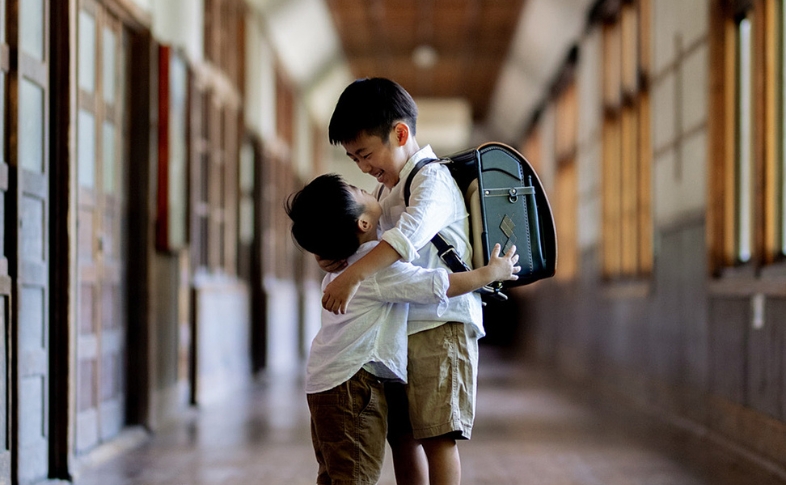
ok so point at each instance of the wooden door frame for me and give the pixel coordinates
(63, 98)
(142, 113)
(259, 321)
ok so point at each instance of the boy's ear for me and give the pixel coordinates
(364, 223)
(401, 132)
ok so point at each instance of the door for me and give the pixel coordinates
(101, 226)
(28, 95)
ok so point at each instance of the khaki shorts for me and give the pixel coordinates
(442, 375)
(348, 428)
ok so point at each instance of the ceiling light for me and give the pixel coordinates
(424, 56)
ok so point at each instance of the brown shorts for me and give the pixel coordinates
(348, 428)
(442, 377)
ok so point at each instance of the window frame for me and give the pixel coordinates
(626, 221)
(768, 185)
(566, 181)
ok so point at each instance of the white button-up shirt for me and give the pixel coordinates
(435, 205)
(372, 334)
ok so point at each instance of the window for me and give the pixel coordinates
(626, 219)
(779, 168)
(747, 216)
(199, 180)
(566, 190)
(224, 37)
(214, 147)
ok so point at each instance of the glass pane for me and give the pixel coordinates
(87, 52)
(177, 154)
(246, 220)
(744, 140)
(204, 177)
(2, 21)
(120, 113)
(86, 149)
(178, 113)
(2, 118)
(108, 60)
(31, 26)
(31, 126)
(247, 169)
(108, 135)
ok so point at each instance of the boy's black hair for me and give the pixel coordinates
(371, 106)
(324, 217)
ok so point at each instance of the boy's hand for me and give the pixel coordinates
(503, 267)
(331, 265)
(338, 293)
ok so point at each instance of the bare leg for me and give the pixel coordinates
(444, 464)
(409, 460)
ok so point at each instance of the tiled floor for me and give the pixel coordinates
(530, 430)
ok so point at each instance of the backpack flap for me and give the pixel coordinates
(515, 210)
(507, 205)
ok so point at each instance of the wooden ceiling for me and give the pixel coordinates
(471, 39)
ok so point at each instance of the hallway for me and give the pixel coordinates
(530, 429)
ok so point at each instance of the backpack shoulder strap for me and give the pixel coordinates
(411, 177)
(447, 253)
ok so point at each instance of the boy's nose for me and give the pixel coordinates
(364, 166)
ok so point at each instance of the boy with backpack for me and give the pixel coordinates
(355, 352)
(374, 120)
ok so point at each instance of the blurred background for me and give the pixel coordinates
(148, 146)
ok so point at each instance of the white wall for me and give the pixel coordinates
(679, 109)
(180, 23)
(260, 95)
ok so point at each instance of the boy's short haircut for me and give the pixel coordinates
(371, 106)
(324, 218)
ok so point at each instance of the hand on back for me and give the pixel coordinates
(338, 293)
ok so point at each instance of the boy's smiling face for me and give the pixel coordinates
(381, 160)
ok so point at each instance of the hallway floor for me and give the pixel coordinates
(529, 430)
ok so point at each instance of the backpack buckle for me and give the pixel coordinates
(451, 258)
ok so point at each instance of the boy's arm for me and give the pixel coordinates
(426, 215)
(406, 283)
(499, 268)
(338, 293)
